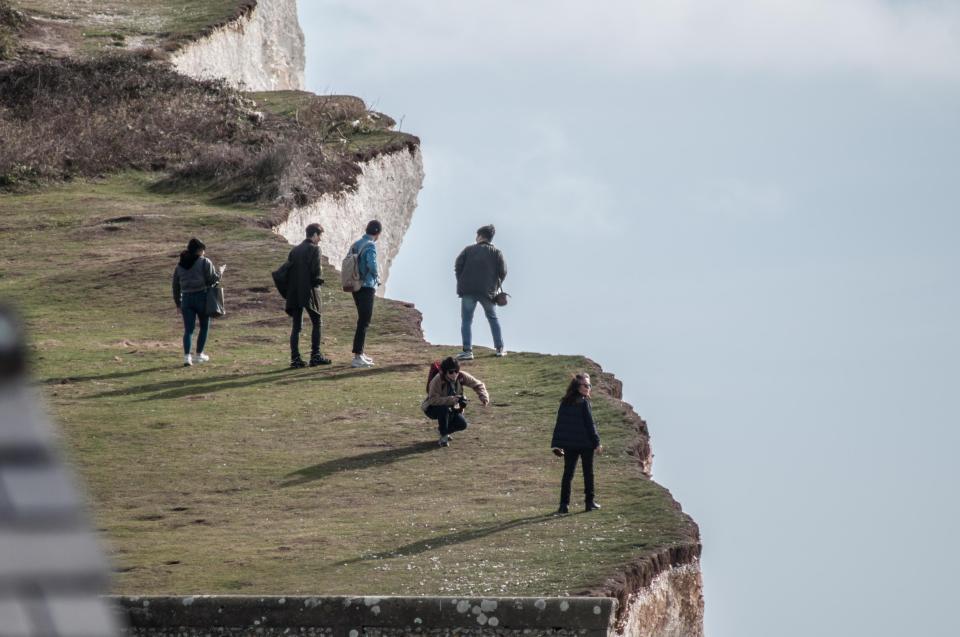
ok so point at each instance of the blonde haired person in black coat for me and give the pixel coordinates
(575, 437)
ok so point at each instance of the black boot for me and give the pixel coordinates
(297, 363)
(563, 509)
(317, 359)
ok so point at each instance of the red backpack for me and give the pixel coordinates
(434, 370)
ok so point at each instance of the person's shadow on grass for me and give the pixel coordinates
(66, 380)
(459, 537)
(354, 463)
(185, 387)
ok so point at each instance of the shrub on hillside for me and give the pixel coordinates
(10, 21)
(61, 119)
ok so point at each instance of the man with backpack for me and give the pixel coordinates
(480, 271)
(445, 401)
(361, 277)
(303, 293)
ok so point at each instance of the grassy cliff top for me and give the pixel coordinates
(243, 476)
(74, 26)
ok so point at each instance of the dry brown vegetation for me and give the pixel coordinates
(10, 22)
(61, 119)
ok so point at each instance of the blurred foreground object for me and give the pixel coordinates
(52, 571)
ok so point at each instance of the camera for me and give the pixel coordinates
(462, 402)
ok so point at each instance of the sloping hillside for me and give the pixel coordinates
(241, 475)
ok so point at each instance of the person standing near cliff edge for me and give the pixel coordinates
(303, 293)
(575, 437)
(480, 271)
(366, 249)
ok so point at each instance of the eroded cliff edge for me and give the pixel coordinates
(261, 50)
(386, 189)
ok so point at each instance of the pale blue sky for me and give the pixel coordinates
(747, 210)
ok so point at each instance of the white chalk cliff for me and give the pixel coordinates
(264, 51)
(386, 190)
(260, 51)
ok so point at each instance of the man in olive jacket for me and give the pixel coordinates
(303, 293)
(480, 270)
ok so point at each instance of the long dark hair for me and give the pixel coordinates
(573, 389)
(189, 256)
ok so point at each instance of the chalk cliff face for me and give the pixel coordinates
(261, 51)
(670, 606)
(386, 190)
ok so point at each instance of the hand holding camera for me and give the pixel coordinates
(461, 403)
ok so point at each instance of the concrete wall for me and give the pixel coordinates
(237, 616)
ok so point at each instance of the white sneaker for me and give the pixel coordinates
(359, 362)
(501, 353)
(444, 441)
(465, 355)
(366, 358)
(202, 358)
(187, 360)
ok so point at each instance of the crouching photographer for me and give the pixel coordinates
(445, 401)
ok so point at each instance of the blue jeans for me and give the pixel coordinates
(467, 306)
(194, 306)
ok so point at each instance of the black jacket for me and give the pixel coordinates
(575, 428)
(480, 269)
(303, 278)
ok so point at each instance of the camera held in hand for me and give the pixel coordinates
(461, 402)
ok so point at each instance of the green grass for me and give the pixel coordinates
(361, 144)
(286, 103)
(94, 25)
(241, 476)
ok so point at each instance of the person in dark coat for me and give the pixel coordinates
(575, 437)
(303, 293)
(191, 278)
(480, 270)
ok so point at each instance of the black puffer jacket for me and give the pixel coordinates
(480, 269)
(575, 428)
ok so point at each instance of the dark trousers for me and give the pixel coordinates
(193, 306)
(448, 420)
(298, 327)
(363, 299)
(570, 457)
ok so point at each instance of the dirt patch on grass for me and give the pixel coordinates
(145, 345)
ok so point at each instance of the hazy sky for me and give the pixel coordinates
(747, 210)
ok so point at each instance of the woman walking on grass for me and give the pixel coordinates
(191, 278)
(575, 437)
